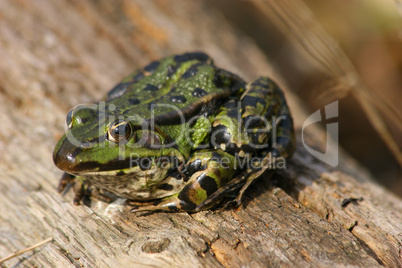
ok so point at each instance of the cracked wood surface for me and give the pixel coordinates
(57, 54)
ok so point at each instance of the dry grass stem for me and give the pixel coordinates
(17, 253)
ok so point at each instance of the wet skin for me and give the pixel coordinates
(180, 133)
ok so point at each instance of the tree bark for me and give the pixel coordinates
(57, 54)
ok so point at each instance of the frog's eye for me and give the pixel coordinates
(69, 118)
(120, 131)
(80, 114)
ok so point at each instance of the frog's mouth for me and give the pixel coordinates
(75, 160)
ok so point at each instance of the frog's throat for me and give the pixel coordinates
(134, 183)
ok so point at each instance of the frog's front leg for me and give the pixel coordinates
(206, 171)
(81, 188)
(258, 129)
(67, 181)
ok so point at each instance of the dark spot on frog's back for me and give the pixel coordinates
(252, 101)
(218, 80)
(193, 70)
(199, 92)
(171, 70)
(150, 87)
(152, 66)
(117, 91)
(192, 56)
(178, 99)
(134, 101)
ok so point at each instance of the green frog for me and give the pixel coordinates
(177, 135)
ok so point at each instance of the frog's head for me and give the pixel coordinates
(96, 143)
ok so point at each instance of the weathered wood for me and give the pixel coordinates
(56, 54)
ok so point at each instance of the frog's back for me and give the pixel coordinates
(189, 83)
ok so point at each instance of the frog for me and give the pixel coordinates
(179, 134)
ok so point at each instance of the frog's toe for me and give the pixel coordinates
(99, 195)
(66, 181)
(239, 197)
(168, 206)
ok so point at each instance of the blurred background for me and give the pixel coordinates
(356, 57)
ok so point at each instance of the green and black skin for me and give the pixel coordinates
(179, 134)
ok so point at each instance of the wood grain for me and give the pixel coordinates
(57, 54)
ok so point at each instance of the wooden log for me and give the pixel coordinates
(57, 54)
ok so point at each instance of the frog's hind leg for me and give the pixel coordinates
(281, 141)
(266, 118)
(207, 171)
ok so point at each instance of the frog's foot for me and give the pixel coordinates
(66, 181)
(242, 181)
(249, 181)
(81, 189)
(266, 163)
(228, 189)
(99, 195)
(137, 203)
